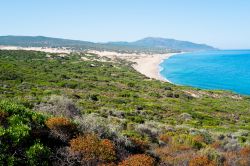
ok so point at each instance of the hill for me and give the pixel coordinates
(41, 41)
(77, 110)
(168, 44)
(147, 44)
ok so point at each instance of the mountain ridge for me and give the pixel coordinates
(148, 44)
(159, 42)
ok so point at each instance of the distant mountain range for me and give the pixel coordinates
(146, 44)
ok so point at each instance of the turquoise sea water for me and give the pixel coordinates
(224, 70)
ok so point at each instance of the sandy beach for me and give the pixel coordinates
(146, 64)
(150, 65)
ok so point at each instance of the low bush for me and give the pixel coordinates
(213, 155)
(140, 145)
(138, 160)
(38, 154)
(188, 140)
(91, 148)
(3, 116)
(58, 106)
(16, 135)
(148, 130)
(15, 120)
(93, 123)
(11, 107)
(201, 161)
(245, 151)
(170, 155)
(61, 128)
(165, 138)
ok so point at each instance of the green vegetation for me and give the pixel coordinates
(52, 108)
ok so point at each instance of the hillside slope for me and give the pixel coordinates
(65, 111)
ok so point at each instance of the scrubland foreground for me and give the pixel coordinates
(81, 109)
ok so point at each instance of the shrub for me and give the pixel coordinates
(3, 116)
(244, 162)
(93, 97)
(201, 161)
(11, 107)
(61, 128)
(38, 155)
(198, 141)
(188, 140)
(165, 138)
(7, 160)
(108, 164)
(63, 157)
(56, 122)
(18, 133)
(213, 155)
(107, 150)
(245, 151)
(216, 145)
(182, 139)
(136, 119)
(139, 144)
(91, 148)
(131, 134)
(2, 131)
(131, 84)
(16, 120)
(148, 130)
(93, 123)
(231, 158)
(138, 160)
(154, 94)
(38, 120)
(59, 106)
(170, 155)
(244, 156)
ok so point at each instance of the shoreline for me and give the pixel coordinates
(150, 66)
(146, 64)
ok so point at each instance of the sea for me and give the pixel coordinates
(214, 70)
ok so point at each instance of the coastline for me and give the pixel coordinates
(150, 66)
(146, 64)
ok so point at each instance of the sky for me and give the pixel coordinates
(223, 24)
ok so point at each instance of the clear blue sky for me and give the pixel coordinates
(221, 23)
